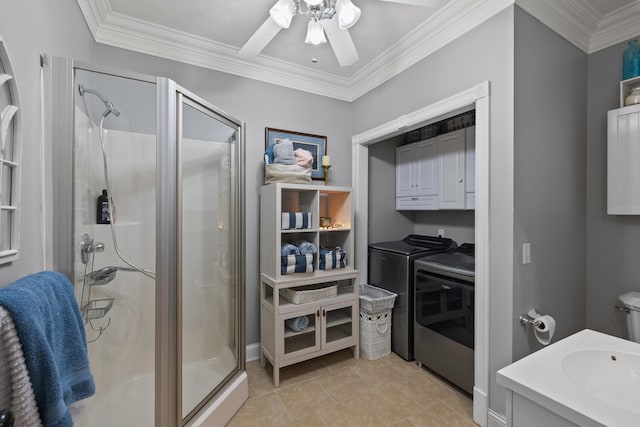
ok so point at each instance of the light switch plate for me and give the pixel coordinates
(526, 253)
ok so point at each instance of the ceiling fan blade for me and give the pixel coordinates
(424, 3)
(260, 39)
(341, 42)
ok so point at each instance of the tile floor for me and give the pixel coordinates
(336, 390)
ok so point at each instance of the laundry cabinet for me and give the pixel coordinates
(307, 308)
(417, 176)
(437, 173)
(623, 154)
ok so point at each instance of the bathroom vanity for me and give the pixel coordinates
(587, 379)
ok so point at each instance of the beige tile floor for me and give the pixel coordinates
(336, 390)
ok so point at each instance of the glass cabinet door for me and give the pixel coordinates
(338, 323)
(301, 333)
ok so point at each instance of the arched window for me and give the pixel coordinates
(10, 150)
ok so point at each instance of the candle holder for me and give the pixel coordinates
(326, 174)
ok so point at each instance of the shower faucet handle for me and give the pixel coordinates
(88, 246)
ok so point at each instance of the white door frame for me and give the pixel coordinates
(478, 97)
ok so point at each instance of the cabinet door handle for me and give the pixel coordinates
(318, 313)
(459, 179)
(324, 313)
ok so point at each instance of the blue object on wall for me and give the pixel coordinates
(631, 61)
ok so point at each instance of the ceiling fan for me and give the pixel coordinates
(330, 17)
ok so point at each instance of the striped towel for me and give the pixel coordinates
(332, 259)
(297, 264)
(296, 220)
(16, 392)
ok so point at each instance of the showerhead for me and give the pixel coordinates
(110, 108)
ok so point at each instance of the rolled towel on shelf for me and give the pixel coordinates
(303, 157)
(289, 249)
(306, 248)
(297, 324)
(283, 152)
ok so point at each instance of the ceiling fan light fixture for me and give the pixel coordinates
(315, 33)
(282, 12)
(348, 14)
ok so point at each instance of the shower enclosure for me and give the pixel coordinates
(158, 267)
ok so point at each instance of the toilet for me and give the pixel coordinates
(631, 302)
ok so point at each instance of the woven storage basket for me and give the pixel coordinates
(375, 300)
(375, 335)
(310, 293)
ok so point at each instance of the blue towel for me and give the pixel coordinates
(297, 324)
(289, 249)
(51, 330)
(306, 248)
(269, 152)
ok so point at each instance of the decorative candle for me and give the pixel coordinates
(326, 161)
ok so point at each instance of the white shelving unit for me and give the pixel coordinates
(333, 322)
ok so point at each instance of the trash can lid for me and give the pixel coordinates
(631, 299)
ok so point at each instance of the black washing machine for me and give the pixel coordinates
(390, 267)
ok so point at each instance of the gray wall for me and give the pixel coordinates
(29, 29)
(550, 181)
(260, 105)
(484, 53)
(385, 222)
(612, 240)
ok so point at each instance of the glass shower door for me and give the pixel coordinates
(208, 217)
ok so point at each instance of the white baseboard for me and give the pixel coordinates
(496, 419)
(253, 352)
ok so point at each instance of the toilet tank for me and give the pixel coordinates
(631, 301)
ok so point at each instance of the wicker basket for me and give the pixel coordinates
(310, 293)
(375, 335)
(375, 300)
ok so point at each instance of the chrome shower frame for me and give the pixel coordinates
(59, 89)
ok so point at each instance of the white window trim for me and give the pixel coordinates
(11, 117)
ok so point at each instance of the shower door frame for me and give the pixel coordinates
(168, 229)
(59, 253)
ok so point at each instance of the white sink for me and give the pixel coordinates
(588, 379)
(610, 376)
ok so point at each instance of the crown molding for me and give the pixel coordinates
(450, 22)
(617, 27)
(572, 19)
(582, 25)
(95, 12)
(575, 20)
(125, 32)
(446, 25)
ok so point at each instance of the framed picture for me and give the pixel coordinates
(315, 144)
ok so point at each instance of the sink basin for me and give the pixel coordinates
(610, 376)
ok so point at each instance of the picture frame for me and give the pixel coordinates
(315, 144)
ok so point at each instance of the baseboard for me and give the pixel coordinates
(253, 352)
(496, 419)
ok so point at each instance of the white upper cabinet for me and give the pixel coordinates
(417, 175)
(451, 154)
(437, 173)
(623, 165)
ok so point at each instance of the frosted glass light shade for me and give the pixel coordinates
(313, 2)
(282, 12)
(348, 14)
(315, 33)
